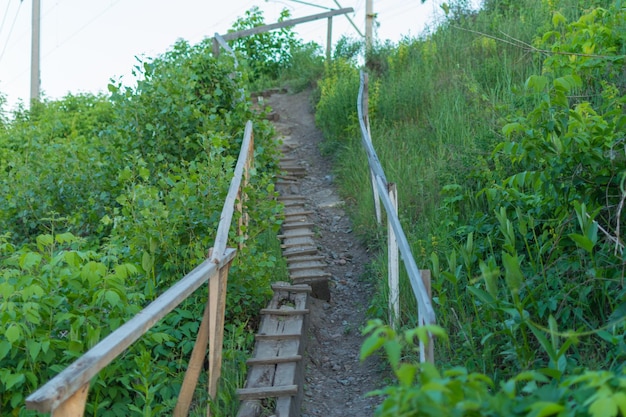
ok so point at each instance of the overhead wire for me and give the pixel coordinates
(80, 29)
(11, 30)
(6, 13)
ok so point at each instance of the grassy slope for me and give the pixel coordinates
(438, 106)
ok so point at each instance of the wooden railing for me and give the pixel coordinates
(386, 192)
(66, 393)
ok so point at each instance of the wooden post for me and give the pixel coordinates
(216, 48)
(393, 263)
(329, 39)
(217, 306)
(429, 351)
(196, 363)
(74, 406)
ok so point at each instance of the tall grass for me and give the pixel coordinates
(437, 107)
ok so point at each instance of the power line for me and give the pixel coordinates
(83, 27)
(6, 13)
(11, 31)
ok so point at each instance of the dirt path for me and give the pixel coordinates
(335, 380)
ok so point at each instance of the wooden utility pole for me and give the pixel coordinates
(35, 81)
(369, 24)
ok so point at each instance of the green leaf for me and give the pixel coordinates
(543, 340)
(545, 409)
(513, 272)
(393, 351)
(406, 374)
(13, 333)
(558, 19)
(44, 241)
(603, 407)
(371, 345)
(537, 83)
(483, 296)
(13, 379)
(112, 298)
(510, 128)
(34, 348)
(6, 290)
(29, 260)
(582, 242)
(5, 348)
(619, 398)
(147, 262)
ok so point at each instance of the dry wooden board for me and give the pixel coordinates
(300, 251)
(292, 213)
(294, 233)
(290, 197)
(300, 266)
(297, 225)
(308, 258)
(285, 286)
(306, 274)
(297, 241)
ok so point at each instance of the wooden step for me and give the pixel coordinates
(299, 251)
(275, 360)
(284, 312)
(305, 266)
(283, 286)
(294, 235)
(298, 225)
(267, 392)
(298, 213)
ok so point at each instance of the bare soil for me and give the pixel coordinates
(336, 381)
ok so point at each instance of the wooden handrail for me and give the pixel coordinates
(287, 23)
(229, 203)
(381, 187)
(66, 393)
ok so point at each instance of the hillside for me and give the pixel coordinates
(503, 129)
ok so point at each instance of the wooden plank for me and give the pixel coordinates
(303, 266)
(307, 258)
(283, 336)
(221, 237)
(274, 360)
(287, 178)
(299, 275)
(301, 251)
(298, 242)
(266, 392)
(196, 364)
(286, 23)
(297, 225)
(300, 234)
(291, 288)
(217, 308)
(281, 312)
(79, 373)
(393, 264)
(298, 213)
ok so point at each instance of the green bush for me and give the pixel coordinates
(140, 177)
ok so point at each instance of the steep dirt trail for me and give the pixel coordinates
(336, 382)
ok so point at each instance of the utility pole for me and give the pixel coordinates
(35, 81)
(369, 24)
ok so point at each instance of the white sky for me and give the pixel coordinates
(84, 43)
